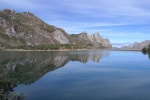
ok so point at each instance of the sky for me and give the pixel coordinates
(122, 21)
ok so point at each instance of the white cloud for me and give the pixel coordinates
(22, 4)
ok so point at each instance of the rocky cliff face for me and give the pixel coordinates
(25, 28)
(137, 45)
(94, 39)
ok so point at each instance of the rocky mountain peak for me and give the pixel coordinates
(107, 39)
(136, 42)
(96, 34)
(7, 11)
(84, 33)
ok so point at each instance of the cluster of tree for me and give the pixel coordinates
(146, 49)
(55, 47)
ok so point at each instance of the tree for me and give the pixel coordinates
(144, 50)
(148, 49)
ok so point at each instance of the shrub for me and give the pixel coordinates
(144, 49)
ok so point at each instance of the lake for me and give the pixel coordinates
(79, 75)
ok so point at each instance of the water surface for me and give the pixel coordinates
(80, 75)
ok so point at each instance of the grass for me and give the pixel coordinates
(4, 36)
(22, 40)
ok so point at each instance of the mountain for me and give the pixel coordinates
(137, 45)
(94, 39)
(27, 29)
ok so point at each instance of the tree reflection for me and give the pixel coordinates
(145, 53)
(149, 55)
(7, 86)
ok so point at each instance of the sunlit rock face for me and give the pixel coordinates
(94, 39)
(26, 28)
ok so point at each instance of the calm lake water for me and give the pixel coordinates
(80, 75)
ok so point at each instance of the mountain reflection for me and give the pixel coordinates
(27, 67)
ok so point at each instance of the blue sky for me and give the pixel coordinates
(122, 21)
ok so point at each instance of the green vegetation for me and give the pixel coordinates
(5, 16)
(47, 28)
(146, 49)
(4, 36)
(12, 39)
(22, 40)
(56, 47)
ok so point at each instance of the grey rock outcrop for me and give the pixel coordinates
(61, 37)
(94, 39)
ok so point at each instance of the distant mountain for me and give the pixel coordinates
(94, 39)
(136, 45)
(27, 29)
(121, 44)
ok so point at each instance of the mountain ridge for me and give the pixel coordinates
(27, 29)
(137, 45)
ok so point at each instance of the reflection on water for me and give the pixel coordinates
(7, 86)
(149, 55)
(145, 53)
(82, 75)
(27, 67)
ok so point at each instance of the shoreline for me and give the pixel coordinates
(125, 50)
(65, 50)
(51, 50)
